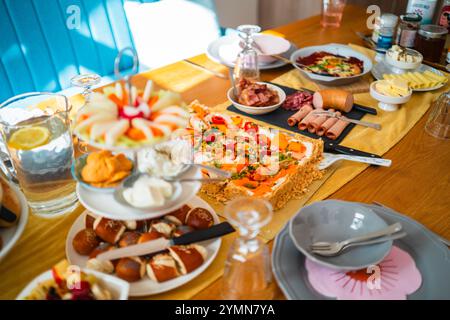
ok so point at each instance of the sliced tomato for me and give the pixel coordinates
(251, 126)
(217, 119)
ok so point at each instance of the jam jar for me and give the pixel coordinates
(407, 29)
(430, 42)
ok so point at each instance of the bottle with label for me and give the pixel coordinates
(425, 8)
(444, 17)
(388, 22)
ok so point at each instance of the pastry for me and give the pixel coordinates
(129, 238)
(85, 241)
(199, 218)
(130, 269)
(149, 236)
(188, 258)
(108, 230)
(162, 267)
(89, 221)
(166, 228)
(178, 216)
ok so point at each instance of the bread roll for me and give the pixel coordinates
(108, 230)
(188, 258)
(130, 269)
(162, 267)
(199, 218)
(85, 241)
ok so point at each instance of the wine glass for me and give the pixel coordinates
(247, 272)
(246, 66)
(87, 82)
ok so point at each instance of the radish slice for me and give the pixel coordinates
(148, 90)
(145, 109)
(119, 91)
(100, 128)
(167, 130)
(144, 126)
(116, 131)
(180, 122)
(176, 110)
(96, 118)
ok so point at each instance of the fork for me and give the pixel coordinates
(335, 115)
(396, 227)
(330, 158)
(330, 252)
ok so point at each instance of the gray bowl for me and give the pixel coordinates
(337, 221)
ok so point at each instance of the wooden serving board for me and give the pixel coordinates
(279, 118)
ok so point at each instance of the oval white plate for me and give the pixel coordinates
(11, 235)
(146, 286)
(118, 287)
(212, 53)
(383, 68)
(105, 205)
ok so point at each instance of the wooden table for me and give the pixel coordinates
(420, 184)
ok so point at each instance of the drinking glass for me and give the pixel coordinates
(35, 129)
(247, 61)
(332, 11)
(438, 124)
(87, 82)
(247, 272)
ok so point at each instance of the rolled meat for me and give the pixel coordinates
(303, 125)
(335, 131)
(324, 127)
(299, 115)
(314, 125)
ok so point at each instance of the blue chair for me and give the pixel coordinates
(44, 43)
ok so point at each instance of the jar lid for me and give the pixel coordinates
(389, 20)
(411, 17)
(432, 31)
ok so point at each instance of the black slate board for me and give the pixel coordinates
(279, 118)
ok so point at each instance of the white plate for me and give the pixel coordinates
(11, 235)
(383, 68)
(146, 286)
(105, 205)
(334, 48)
(118, 287)
(213, 53)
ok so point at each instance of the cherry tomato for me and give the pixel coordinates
(250, 126)
(217, 120)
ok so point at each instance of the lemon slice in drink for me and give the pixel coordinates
(29, 138)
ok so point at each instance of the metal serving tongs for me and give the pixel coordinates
(127, 77)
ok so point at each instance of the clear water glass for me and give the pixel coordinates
(246, 66)
(35, 129)
(438, 124)
(247, 272)
(332, 11)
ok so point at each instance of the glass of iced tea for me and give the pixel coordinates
(332, 11)
(35, 129)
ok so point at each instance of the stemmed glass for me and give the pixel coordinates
(87, 82)
(246, 66)
(247, 269)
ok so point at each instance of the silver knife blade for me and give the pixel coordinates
(136, 250)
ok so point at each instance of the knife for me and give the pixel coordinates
(160, 244)
(337, 148)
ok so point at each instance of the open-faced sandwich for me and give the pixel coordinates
(264, 163)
